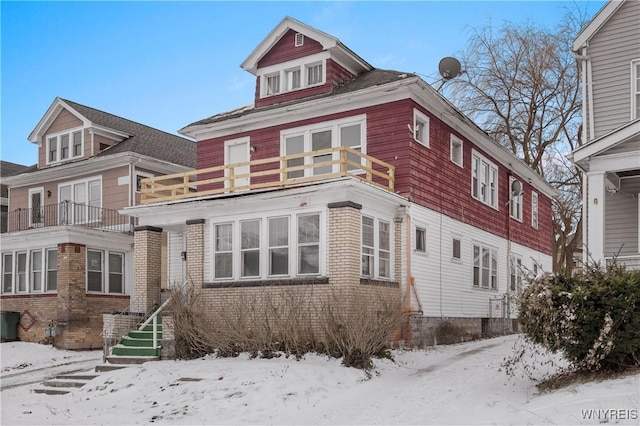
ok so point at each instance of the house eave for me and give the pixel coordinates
(603, 15)
(54, 109)
(583, 154)
(91, 165)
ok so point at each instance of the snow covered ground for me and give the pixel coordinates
(458, 384)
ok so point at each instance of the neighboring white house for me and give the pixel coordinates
(609, 53)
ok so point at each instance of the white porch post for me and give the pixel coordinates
(595, 219)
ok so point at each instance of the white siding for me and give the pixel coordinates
(445, 286)
(612, 49)
(621, 219)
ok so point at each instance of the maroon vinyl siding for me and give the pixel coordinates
(335, 76)
(425, 175)
(285, 50)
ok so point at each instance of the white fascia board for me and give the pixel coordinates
(304, 110)
(607, 141)
(51, 236)
(615, 162)
(109, 133)
(90, 165)
(596, 23)
(458, 121)
(178, 212)
(52, 112)
(251, 63)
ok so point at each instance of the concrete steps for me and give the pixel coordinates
(63, 384)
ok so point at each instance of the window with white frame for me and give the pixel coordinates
(420, 128)
(345, 132)
(293, 75)
(485, 267)
(421, 240)
(308, 244)
(299, 40)
(105, 272)
(250, 248)
(223, 251)
(314, 74)
(484, 180)
(635, 89)
(7, 272)
(273, 84)
(515, 273)
(35, 271)
(456, 150)
(286, 245)
(86, 200)
(515, 203)
(64, 146)
(368, 249)
(456, 248)
(534, 210)
(376, 240)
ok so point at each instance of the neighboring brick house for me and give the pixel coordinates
(608, 50)
(7, 169)
(67, 254)
(343, 175)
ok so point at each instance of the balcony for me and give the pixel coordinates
(67, 214)
(271, 172)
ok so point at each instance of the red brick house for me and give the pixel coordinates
(342, 174)
(67, 254)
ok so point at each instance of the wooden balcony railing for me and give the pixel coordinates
(271, 172)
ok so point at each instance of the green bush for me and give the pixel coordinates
(593, 319)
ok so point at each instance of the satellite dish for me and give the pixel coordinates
(516, 188)
(449, 68)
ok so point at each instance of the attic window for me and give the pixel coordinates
(299, 39)
(103, 146)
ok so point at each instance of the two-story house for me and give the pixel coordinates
(608, 50)
(68, 254)
(339, 174)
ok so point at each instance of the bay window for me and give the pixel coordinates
(223, 256)
(7, 272)
(375, 248)
(250, 248)
(309, 244)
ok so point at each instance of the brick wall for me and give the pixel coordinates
(147, 264)
(195, 252)
(343, 243)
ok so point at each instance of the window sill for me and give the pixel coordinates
(379, 283)
(267, 283)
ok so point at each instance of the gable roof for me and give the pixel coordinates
(135, 137)
(596, 23)
(8, 169)
(628, 132)
(338, 50)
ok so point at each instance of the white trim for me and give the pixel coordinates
(419, 116)
(495, 203)
(282, 70)
(105, 271)
(611, 139)
(596, 23)
(519, 201)
(246, 140)
(455, 140)
(635, 88)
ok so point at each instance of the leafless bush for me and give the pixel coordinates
(345, 323)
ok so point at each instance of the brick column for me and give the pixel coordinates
(147, 260)
(195, 252)
(343, 243)
(72, 302)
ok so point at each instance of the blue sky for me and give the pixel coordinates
(168, 64)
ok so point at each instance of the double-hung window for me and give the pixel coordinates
(421, 240)
(515, 273)
(534, 210)
(273, 84)
(314, 74)
(250, 248)
(223, 250)
(279, 245)
(293, 79)
(51, 269)
(64, 146)
(375, 248)
(308, 244)
(105, 272)
(21, 272)
(36, 270)
(484, 180)
(456, 150)
(635, 89)
(7, 272)
(420, 128)
(293, 75)
(485, 267)
(515, 204)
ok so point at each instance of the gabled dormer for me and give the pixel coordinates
(297, 61)
(66, 133)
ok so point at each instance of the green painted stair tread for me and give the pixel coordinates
(149, 327)
(144, 335)
(134, 351)
(134, 342)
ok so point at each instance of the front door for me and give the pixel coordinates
(36, 207)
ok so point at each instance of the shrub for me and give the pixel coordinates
(593, 319)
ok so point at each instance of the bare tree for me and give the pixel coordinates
(521, 85)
